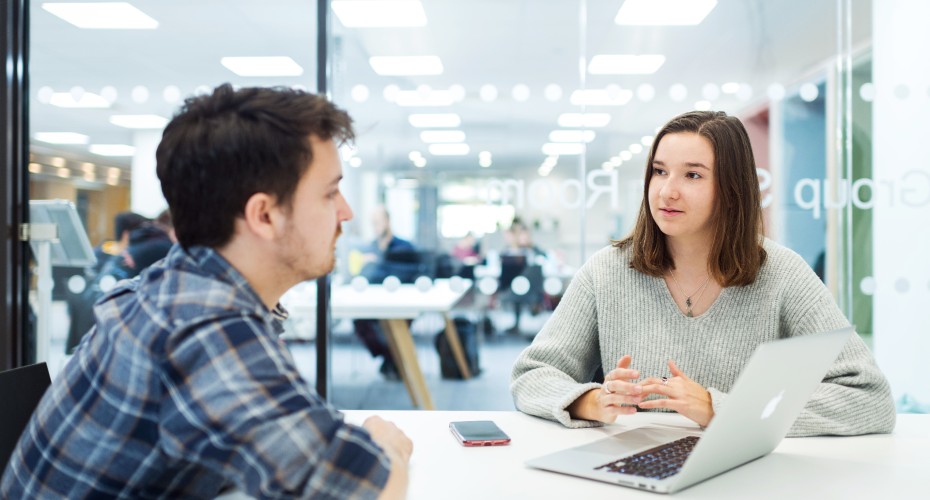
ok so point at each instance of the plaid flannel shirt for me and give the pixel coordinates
(183, 389)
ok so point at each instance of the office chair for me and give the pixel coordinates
(21, 389)
(408, 265)
(511, 267)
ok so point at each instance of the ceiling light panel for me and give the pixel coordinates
(625, 64)
(592, 120)
(664, 12)
(406, 65)
(430, 120)
(459, 149)
(112, 149)
(571, 135)
(61, 137)
(102, 16)
(429, 136)
(379, 13)
(151, 122)
(262, 66)
(601, 97)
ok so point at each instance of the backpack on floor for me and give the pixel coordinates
(468, 337)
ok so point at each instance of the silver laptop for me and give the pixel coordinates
(757, 414)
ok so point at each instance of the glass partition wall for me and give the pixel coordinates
(506, 143)
(104, 80)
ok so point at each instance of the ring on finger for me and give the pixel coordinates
(607, 389)
(664, 380)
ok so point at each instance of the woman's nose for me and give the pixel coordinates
(669, 189)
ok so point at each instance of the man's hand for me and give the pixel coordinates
(606, 403)
(398, 448)
(391, 439)
(682, 394)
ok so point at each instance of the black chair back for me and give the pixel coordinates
(511, 267)
(21, 389)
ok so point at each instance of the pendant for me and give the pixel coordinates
(690, 315)
(688, 302)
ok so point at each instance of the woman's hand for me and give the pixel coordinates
(617, 396)
(682, 394)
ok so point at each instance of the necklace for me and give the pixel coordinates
(688, 301)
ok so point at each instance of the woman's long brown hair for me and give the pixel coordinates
(736, 250)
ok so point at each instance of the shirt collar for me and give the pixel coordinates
(212, 263)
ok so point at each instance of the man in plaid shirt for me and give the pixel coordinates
(182, 389)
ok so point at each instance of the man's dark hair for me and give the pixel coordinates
(221, 149)
(127, 221)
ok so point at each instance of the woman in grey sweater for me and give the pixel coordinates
(673, 312)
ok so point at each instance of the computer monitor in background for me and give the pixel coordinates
(72, 248)
(64, 244)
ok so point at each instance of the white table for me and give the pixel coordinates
(393, 308)
(869, 467)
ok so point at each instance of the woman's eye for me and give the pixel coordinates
(658, 171)
(694, 175)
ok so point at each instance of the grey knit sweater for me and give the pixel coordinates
(610, 310)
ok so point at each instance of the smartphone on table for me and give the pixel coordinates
(478, 433)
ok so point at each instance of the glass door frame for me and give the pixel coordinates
(14, 195)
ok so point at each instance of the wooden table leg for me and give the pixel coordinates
(452, 335)
(399, 361)
(405, 357)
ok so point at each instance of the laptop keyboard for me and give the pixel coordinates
(657, 463)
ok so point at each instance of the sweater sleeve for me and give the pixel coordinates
(557, 367)
(854, 396)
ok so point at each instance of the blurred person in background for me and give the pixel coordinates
(387, 255)
(139, 243)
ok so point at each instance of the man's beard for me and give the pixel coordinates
(315, 268)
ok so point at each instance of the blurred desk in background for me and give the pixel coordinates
(394, 307)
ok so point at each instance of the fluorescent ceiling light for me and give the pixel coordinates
(102, 16)
(417, 98)
(406, 65)
(562, 148)
(442, 136)
(664, 12)
(593, 120)
(262, 66)
(571, 135)
(429, 120)
(448, 149)
(379, 13)
(87, 100)
(112, 149)
(600, 97)
(625, 64)
(139, 121)
(61, 137)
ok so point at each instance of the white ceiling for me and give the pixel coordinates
(498, 42)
